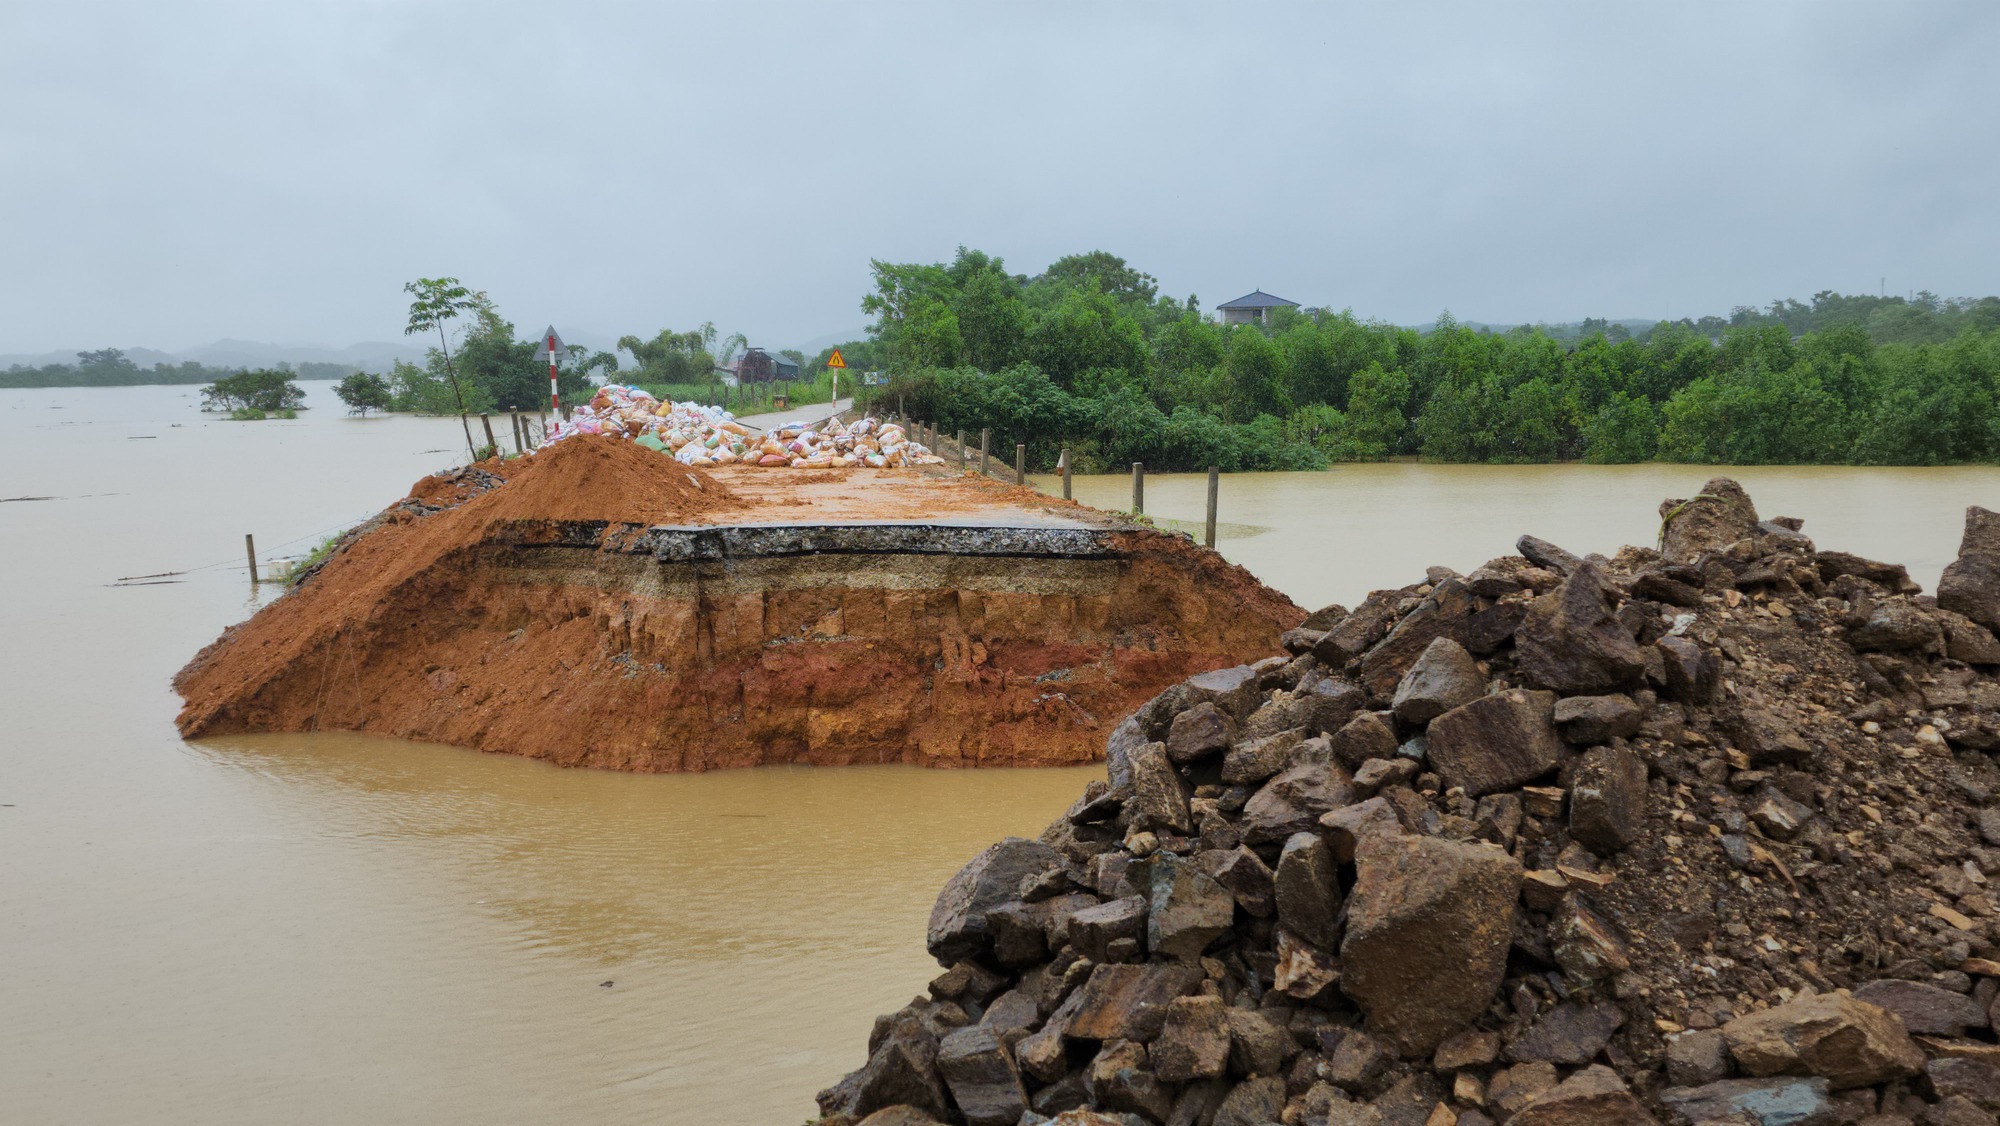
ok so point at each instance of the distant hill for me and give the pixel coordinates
(372, 355)
(818, 344)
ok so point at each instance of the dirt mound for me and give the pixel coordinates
(1701, 835)
(534, 617)
(612, 481)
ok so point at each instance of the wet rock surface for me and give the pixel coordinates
(1704, 835)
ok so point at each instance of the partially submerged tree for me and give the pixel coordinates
(269, 390)
(364, 391)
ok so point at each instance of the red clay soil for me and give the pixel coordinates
(492, 625)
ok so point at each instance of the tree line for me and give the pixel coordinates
(496, 371)
(111, 367)
(1088, 355)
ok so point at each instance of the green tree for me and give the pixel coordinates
(1255, 374)
(424, 389)
(1625, 430)
(438, 301)
(1315, 370)
(267, 389)
(1086, 330)
(365, 391)
(930, 335)
(991, 320)
(1102, 271)
(1756, 416)
(672, 357)
(1375, 399)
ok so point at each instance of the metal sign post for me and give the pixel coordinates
(835, 363)
(554, 351)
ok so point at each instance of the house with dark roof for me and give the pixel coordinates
(759, 366)
(1253, 308)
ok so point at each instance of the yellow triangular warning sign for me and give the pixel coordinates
(836, 360)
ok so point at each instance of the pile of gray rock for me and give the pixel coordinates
(1699, 834)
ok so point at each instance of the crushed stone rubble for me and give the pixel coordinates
(1704, 834)
(694, 434)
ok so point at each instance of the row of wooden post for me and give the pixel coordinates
(930, 431)
(526, 433)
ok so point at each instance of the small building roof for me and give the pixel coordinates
(1256, 299)
(778, 358)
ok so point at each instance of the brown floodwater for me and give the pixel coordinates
(336, 928)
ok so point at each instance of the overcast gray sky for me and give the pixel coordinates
(180, 172)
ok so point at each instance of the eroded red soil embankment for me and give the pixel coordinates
(527, 619)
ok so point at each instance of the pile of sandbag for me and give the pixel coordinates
(694, 434)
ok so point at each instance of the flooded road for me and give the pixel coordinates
(1334, 536)
(336, 928)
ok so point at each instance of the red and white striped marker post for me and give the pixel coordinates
(554, 350)
(555, 399)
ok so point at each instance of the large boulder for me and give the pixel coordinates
(1348, 826)
(1308, 896)
(982, 1077)
(1194, 1041)
(1352, 635)
(1158, 799)
(1925, 1010)
(1971, 583)
(1244, 873)
(901, 1071)
(1093, 929)
(1569, 1035)
(1364, 737)
(1687, 671)
(1294, 801)
(1594, 1096)
(1496, 742)
(1189, 909)
(1117, 999)
(1234, 689)
(1607, 799)
(1572, 642)
(1252, 1102)
(958, 925)
(1973, 1080)
(1429, 924)
(1895, 625)
(1199, 731)
(1598, 719)
(1444, 677)
(1718, 516)
(1442, 613)
(1119, 1079)
(1754, 1102)
(1847, 1042)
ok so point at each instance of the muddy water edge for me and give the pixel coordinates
(335, 928)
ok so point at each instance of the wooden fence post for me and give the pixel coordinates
(250, 549)
(985, 439)
(1214, 479)
(487, 422)
(1138, 488)
(1020, 463)
(1065, 472)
